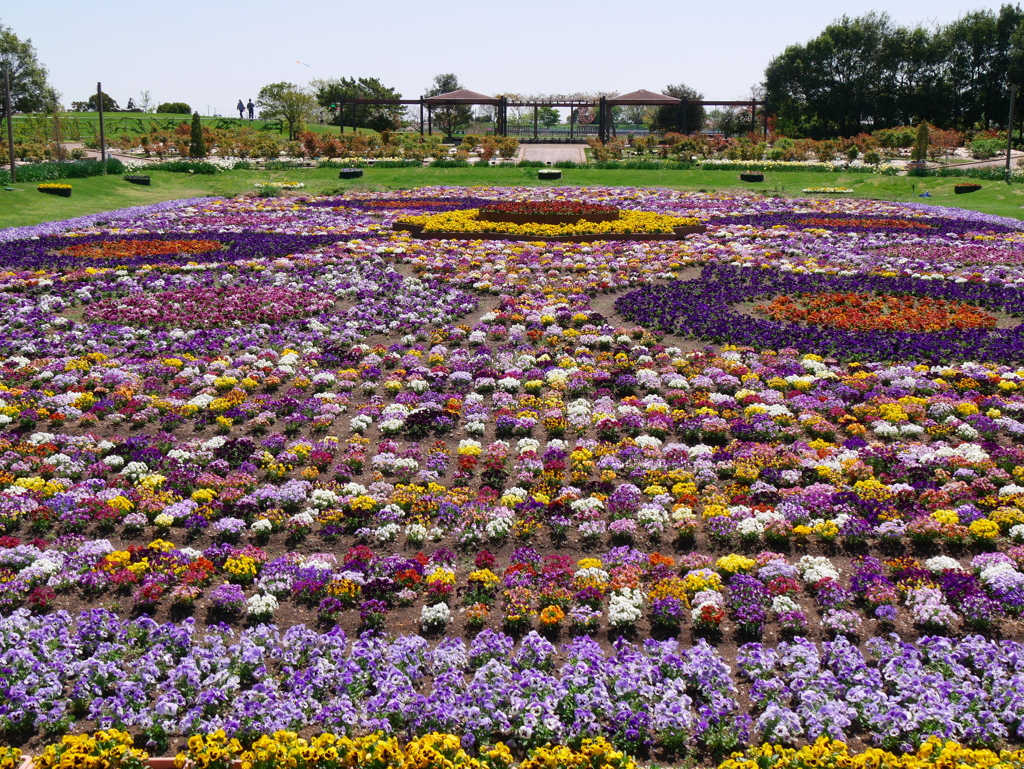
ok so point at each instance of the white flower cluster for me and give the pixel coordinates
(816, 567)
(262, 605)
(783, 603)
(261, 526)
(625, 607)
(436, 617)
(941, 563)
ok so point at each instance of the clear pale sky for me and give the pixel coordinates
(211, 54)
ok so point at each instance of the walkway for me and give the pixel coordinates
(553, 153)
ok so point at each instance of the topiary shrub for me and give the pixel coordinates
(196, 145)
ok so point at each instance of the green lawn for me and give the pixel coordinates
(98, 194)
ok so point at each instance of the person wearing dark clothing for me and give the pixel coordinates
(252, 109)
(241, 109)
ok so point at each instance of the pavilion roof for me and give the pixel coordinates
(643, 96)
(462, 96)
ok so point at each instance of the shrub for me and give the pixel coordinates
(196, 144)
(920, 151)
(981, 149)
(79, 169)
(175, 108)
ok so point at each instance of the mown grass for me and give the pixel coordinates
(98, 194)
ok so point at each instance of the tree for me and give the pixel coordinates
(637, 114)
(30, 90)
(668, 117)
(286, 102)
(452, 117)
(379, 117)
(174, 108)
(145, 101)
(865, 73)
(548, 117)
(196, 145)
(109, 105)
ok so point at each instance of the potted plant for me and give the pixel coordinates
(55, 188)
(350, 173)
(964, 187)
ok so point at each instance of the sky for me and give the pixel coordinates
(210, 54)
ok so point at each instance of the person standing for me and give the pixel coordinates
(241, 109)
(252, 109)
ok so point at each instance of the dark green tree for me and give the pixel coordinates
(920, 151)
(670, 117)
(196, 144)
(378, 117)
(866, 73)
(174, 108)
(30, 90)
(450, 117)
(109, 104)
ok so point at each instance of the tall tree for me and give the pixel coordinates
(379, 117)
(866, 73)
(286, 102)
(30, 90)
(666, 118)
(451, 117)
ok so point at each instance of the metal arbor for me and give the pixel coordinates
(601, 105)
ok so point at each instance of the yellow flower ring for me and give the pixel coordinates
(630, 225)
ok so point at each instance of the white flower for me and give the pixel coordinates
(262, 605)
(435, 617)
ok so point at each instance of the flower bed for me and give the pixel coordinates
(270, 465)
(639, 225)
(966, 187)
(55, 188)
(828, 190)
(137, 179)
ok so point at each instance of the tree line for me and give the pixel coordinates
(866, 73)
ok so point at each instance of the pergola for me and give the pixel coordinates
(602, 106)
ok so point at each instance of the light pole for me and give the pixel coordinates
(8, 61)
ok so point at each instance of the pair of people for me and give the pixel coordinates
(242, 107)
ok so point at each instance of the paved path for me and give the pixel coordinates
(553, 153)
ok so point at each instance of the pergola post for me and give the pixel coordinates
(535, 108)
(602, 129)
(421, 116)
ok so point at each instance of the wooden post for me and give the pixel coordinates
(1009, 132)
(103, 136)
(341, 115)
(10, 126)
(56, 131)
(535, 122)
(421, 116)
